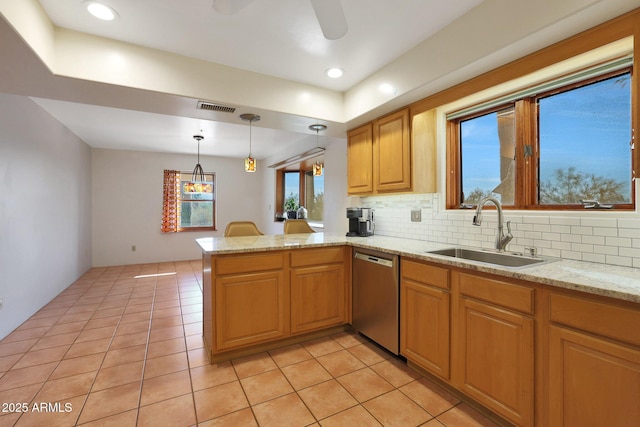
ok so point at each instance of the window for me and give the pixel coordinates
(549, 147)
(187, 205)
(299, 187)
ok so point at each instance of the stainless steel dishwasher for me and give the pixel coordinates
(376, 297)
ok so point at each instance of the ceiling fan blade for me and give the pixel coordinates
(229, 7)
(331, 18)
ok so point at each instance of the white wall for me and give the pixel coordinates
(45, 203)
(127, 204)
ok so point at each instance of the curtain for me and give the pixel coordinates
(171, 202)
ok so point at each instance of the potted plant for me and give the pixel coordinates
(291, 206)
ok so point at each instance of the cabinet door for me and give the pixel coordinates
(318, 297)
(392, 153)
(593, 382)
(424, 326)
(495, 360)
(360, 160)
(250, 308)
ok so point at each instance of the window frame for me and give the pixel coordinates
(527, 126)
(301, 168)
(207, 175)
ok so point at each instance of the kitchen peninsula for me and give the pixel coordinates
(530, 344)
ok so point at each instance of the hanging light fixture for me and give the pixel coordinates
(250, 162)
(198, 172)
(318, 168)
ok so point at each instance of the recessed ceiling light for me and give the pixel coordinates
(387, 89)
(101, 11)
(334, 73)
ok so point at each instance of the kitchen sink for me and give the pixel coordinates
(505, 259)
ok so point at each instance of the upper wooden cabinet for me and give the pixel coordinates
(395, 153)
(360, 160)
(392, 153)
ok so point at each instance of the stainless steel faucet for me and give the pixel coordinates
(501, 239)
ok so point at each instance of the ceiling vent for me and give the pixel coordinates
(203, 105)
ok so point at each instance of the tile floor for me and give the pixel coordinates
(122, 346)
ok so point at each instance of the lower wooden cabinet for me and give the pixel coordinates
(594, 363)
(250, 308)
(318, 297)
(495, 359)
(258, 298)
(425, 316)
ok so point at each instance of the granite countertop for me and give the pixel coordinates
(601, 279)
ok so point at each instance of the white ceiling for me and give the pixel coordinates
(279, 38)
(282, 39)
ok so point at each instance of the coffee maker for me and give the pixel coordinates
(360, 222)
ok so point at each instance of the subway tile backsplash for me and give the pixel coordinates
(613, 241)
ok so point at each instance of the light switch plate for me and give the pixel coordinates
(416, 215)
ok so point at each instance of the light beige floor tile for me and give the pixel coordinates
(243, 417)
(111, 401)
(396, 409)
(65, 388)
(284, 411)
(26, 376)
(124, 355)
(118, 375)
(364, 384)
(305, 374)
(253, 365)
(266, 386)
(123, 419)
(163, 348)
(220, 400)
(326, 399)
(322, 346)
(165, 387)
(340, 363)
(289, 355)
(369, 354)
(212, 375)
(175, 412)
(356, 416)
(429, 396)
(396, 372)
(78, 365)
(165, 365)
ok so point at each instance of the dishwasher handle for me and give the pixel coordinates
(374, 259)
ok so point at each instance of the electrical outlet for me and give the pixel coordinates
(416, 215)
(133, 248)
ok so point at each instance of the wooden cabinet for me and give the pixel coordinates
(256, 299)
(494, 345)
(392, 153)
(318, 289)
(250, 300)
(594, 362)
(360, 160)
(395, 153)
(424, 316)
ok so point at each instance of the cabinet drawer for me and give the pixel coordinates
(601, 318)
(516, 297)
(323, 256)
(424, 273)
(249, 263)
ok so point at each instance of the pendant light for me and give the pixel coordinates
(318, 168)
(198, 172)
(250, 162)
